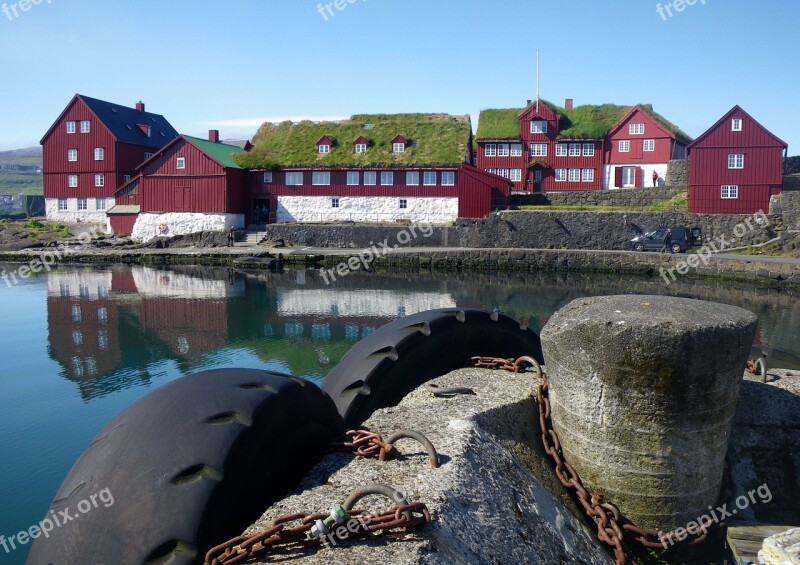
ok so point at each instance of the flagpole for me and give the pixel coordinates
(537, 80)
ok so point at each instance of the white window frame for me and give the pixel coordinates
(335, 202)
(387, 178)
(538, 126)
(83, 204)
(490, 150)
(736, 160)
(370, 178)
(361, 148)
(561, 149)
(412, 178)
(736, 124)
(180, 163)
(649, 145)
(503, 150)
(100, 204)
(324, 148)
(516, 150)
(71, 126)
(729, 192)
(403, 204)
(72, 155)
(353, 178)
(63, 205)
(624, 146)
(505, 173)
(561, 175)
(587, 175)
(321, 178)
(636, 129)
(398, 148)
(574, 175)
(515, 175)
(86, 126)
(574, 149)
(588, 149)
(72, 181)
(99, 180)
(493, 171)
(125, 178)
(448, 178)
(429, 178)
(267, 177)
(147, 156)
(538, 149)
(99, 154)
(294, 178)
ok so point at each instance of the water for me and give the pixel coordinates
(79, 345)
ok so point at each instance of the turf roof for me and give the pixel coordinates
(582, 122)
(434, 140)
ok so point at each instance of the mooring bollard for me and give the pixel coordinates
(643, 391)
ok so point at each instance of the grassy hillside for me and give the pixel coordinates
(15, 182)
(27, 156)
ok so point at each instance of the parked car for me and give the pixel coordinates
(653, 240)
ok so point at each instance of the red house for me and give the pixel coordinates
(91, 149)
(640, 144)
(735, 166)
(189, 185)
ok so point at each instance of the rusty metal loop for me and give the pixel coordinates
(433, 456)
(397, 497)
(437, 390)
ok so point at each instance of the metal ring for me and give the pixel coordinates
(397, 497)
(433, 457)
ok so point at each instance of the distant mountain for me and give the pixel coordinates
(27, 156)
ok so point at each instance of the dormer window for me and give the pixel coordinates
(145, 129)
(324, 145)
(399, 144)
(361, 147)
(538, 126)
(324, 149)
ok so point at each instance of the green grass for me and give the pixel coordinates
(27, 156)
(34, 228)
(12, 182)
(435, 140)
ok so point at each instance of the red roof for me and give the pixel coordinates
(325, 140)
(400, 139)
(724, 120)
(361, 141)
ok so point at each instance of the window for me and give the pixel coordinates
(588, 149)
(490, 150)
(574, 175)
(624, 146)
(370, 178)
(268, 177)
(538, 150)
(561, 175)
(403, 203)
(99, 154)
(429, 178)
(335, 202)
(561, 150)
(294, 178)
(321, 178)
(62, 204)
(729, 192)
(72, 155)
(387, 178)
(649, 144)
(99, 181)
(736, 161)
(574, 149)
(147, 156)
(324, 149)
(412, 178)
(588, 175)
(505, 173)
(180, 163)
(352, 178)
(70, 127)
(86, 126)
(398, 147)
(503, 150)
(516, 175)
(99, 204)
(538, 126)
(516, 150)
(83, 204)
(126, 178)
(73, 181)
(448, 178)
(736, 125)
(361, 147)
(636, 129)
(493, 171)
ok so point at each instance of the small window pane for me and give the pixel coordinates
(294, 178)
(412, 178)
(387, 178)
(321, 178)
(352, 178)
(448, 178)
(429, 178)
(370, 178)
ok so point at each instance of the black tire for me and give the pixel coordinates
(676, 248)
(190, 466)
(381, 369)
(638, 247)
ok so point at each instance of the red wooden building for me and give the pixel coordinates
(90, 150)
(187, 186)
(735, 166)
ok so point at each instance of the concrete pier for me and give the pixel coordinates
(643, 391)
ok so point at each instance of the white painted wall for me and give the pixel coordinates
(436, 210)
(72, 215)
(163, 283)
(182, 223)
(370, 303)
(608, 174)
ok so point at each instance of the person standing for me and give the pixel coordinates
(655, 179)
(231, 236)
(667, 241)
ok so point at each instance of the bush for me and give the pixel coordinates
(34, 224)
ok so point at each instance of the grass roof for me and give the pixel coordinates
(582, 122)
(434, 140)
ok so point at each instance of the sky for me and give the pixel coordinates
(233, 65)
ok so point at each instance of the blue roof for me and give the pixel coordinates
(124, 123)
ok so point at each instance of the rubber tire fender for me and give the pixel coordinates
(382, 368)
(189, 466)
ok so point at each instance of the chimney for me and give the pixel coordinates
(529, 103)
(568, 104)
(213, 135)
(140, 106)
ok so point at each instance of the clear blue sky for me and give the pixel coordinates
(233, 64)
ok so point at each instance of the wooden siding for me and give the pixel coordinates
(709, 166)
(666, 146)
(708, 200)
(122, 223)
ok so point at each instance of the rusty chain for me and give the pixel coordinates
(613, 528)
(365, 443)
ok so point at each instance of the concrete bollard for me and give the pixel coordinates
(643, 392)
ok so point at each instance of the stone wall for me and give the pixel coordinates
(788, 204)
(72, 215)
(678, 173)
(366, 209)
(639, 197)
(149, 226)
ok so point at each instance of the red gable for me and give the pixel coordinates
(361, 141)
(400, 139)
(325, 140)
